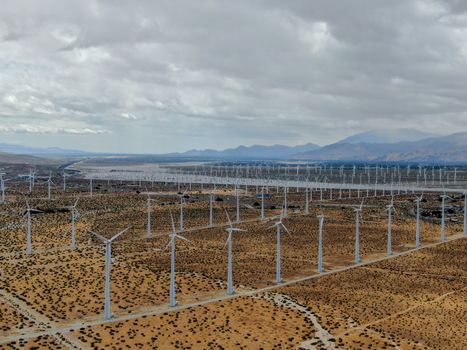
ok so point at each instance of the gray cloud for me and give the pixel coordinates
(159, 76)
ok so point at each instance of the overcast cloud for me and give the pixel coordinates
(160, 76)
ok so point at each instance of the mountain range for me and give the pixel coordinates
(44, 152)
(406, 145)
(256, 151)
(451, 148)
(387, 136)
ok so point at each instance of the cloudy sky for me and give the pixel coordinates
(158, 76)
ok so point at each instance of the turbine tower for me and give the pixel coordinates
(65, 175)
(358, 212)
(278, 225)
(74, 216)
(108, 262)
(173, 237)
(49, 186)
(389, 208)
(230, 230)
(465, 213)
(182, 200)
(28, 214)
(211, 202)
(149, 224)
(418, 200)
(2, 186)
(237, 193)
(443, 218)
(320, 243)
(262, 203)
(286, 204)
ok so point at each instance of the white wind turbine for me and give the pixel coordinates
(230, 230)
(65, 175)
(390, 208)
(278, 225)
(31, 177)
(49, 186)
(28, 214)
(358, 212)
(74, 216)
(418, 200)
(108, 262)
(320, 243)
(173, 237)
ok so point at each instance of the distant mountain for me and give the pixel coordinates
(252, 152)
(46, 152)
(451, 148)
(8, 158)
(388, 136)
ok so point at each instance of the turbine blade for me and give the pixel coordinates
(167, 246)
(228, 218)
(173, 223)
(227, 240)
(119, 234)
(102, 238)
(185, 239)
(286, 229)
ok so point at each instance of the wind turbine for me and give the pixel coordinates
(32, 175)
(108, 262)
(74, 216)
(278, 225)
(173, 237)
(230, 230)
(358, 212)
(443, 199)
(389, 208)
(65, 175)
(28, 214)
(418, 200)
(49, 185)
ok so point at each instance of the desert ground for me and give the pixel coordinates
(54, 297)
